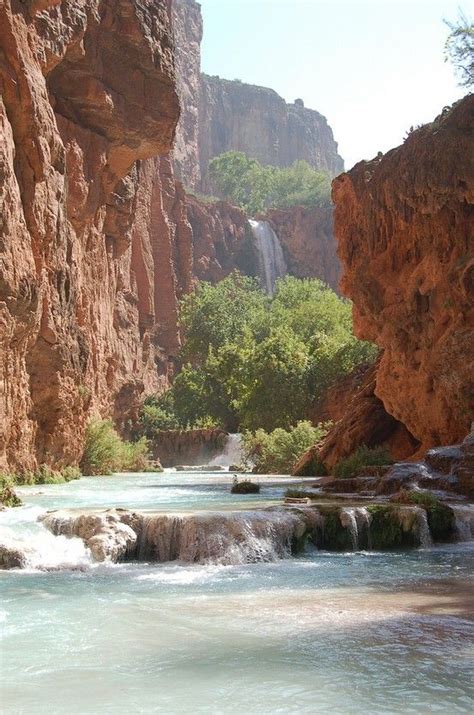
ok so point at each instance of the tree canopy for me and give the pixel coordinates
(252, 361)
(247, 183)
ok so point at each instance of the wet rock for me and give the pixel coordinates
(443, 459)
(351, 486)
(13, 554)
(106, 534)
(403, 475)
(464, 470)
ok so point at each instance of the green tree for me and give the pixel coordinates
(254, 187)
(215, 315)
(459, 49)
(274, 385)
(242, 180)
(252, 361)
(300, 184)
(278, 451)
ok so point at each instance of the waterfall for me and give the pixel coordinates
(271, 261)
(423, 528)
(220, 537)
(25, 543)
(232, 453)
(464, 520)
(348, 521)
(357, 521)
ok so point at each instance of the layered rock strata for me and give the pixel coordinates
(87, 292)
(257, 121)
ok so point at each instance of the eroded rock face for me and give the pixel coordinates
(187, 26)
(222, 240)
(306, 235)
(221, 115)
(404, 228)
(360, 418)
(257, 121)
(87, 89)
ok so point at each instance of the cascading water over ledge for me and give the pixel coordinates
(75, 539)
(271, 261)
(247, 536)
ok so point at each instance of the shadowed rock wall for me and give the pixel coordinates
(87, 292)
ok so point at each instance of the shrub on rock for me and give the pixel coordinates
(245, 487)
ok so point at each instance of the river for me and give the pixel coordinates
(358, 632)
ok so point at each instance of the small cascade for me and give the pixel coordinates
(26, 543)
(422, 528)
(271, 261)
(357, 521)
(348, 521)
(221, 538)
(464, 521)
(232, 454)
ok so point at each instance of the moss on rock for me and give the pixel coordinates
(442, 522)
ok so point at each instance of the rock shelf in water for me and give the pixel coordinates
(245, 536)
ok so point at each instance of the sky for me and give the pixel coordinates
(373, 68)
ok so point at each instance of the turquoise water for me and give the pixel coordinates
(324, 633)
(167, 491)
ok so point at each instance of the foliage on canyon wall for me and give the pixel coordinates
(277, 452)
(254, 187)
(253, 361)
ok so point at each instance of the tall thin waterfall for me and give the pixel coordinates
(271, 261)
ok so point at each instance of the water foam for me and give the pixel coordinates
(36, 547)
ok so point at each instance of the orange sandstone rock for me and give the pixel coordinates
(404, 225)
(87, 88)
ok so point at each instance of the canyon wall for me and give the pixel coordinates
(223, 241)
(187, 29)
(221, 115)
(404, 226)
(95, 246)
(307, 238)
(257, 121)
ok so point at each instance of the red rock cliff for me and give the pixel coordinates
(94, 246)
(221, 115)
(404, 225)
(306, 235)
(256, 120)
(223, 241)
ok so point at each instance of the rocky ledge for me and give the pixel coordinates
(118, 535)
